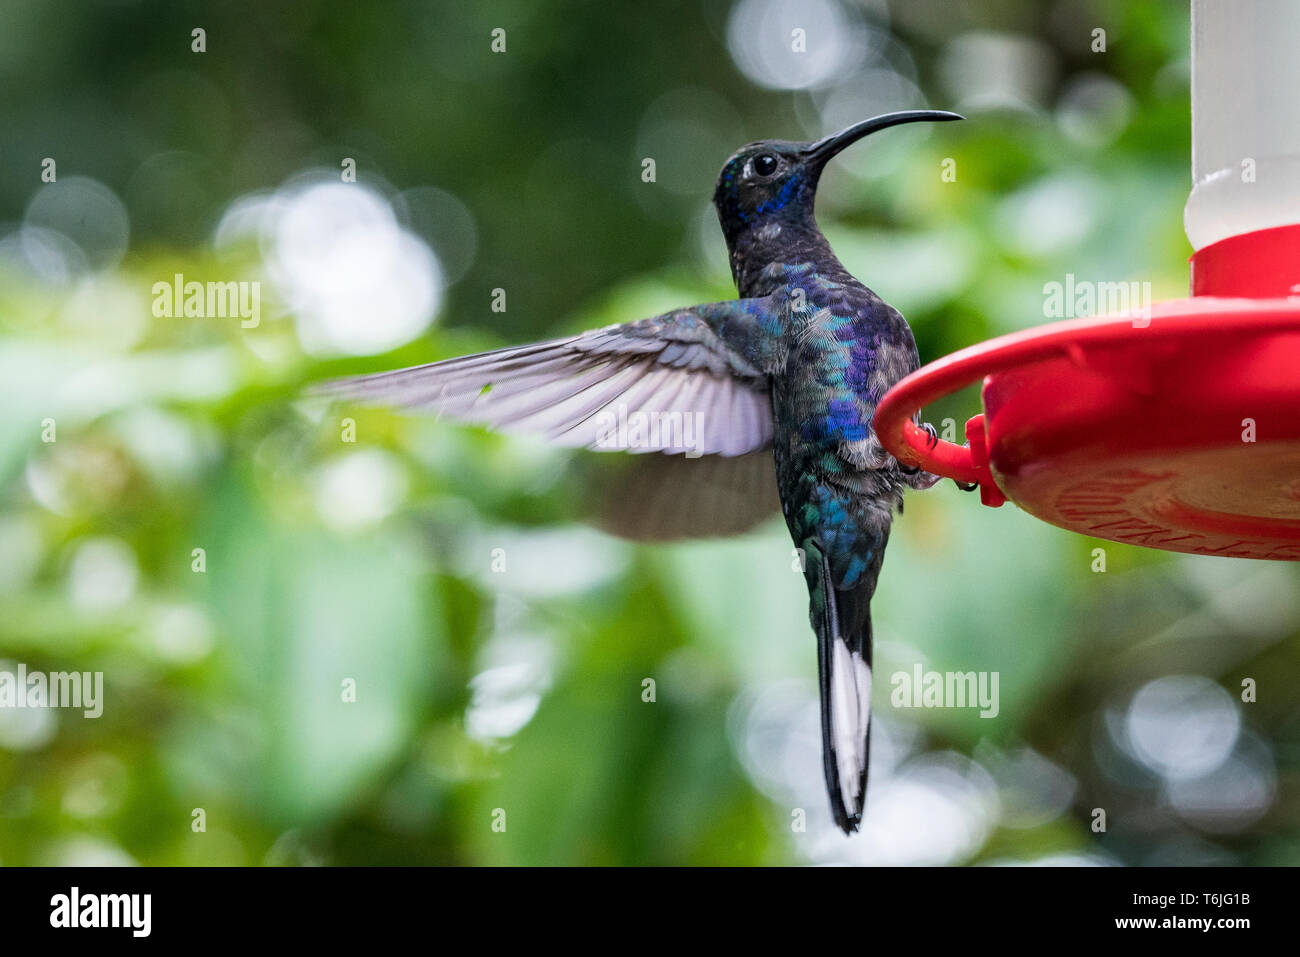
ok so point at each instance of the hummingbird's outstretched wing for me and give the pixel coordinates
(677, 383)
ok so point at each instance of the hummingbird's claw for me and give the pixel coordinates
(966, 486)
(933, 441)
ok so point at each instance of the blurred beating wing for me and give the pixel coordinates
(585, 390)
(671, 497)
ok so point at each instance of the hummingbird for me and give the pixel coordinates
(781, 383)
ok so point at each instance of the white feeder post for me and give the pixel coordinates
(1245, 118)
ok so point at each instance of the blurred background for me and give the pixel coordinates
(497, 644)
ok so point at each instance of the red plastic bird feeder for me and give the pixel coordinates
(1176, 427)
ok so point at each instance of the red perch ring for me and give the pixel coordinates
(1177, 430)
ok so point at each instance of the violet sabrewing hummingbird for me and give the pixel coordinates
(796, 366)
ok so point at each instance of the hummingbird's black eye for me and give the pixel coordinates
(765, 164)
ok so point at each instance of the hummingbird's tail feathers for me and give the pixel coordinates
(842, 620)
(665, 384)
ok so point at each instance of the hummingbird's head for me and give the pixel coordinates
(774, 182)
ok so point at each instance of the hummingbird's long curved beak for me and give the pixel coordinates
(826, 147)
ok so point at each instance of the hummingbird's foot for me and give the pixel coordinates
(934, 440)
(966, 486)
(917, 477)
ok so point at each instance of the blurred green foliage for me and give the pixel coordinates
(328, 562)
